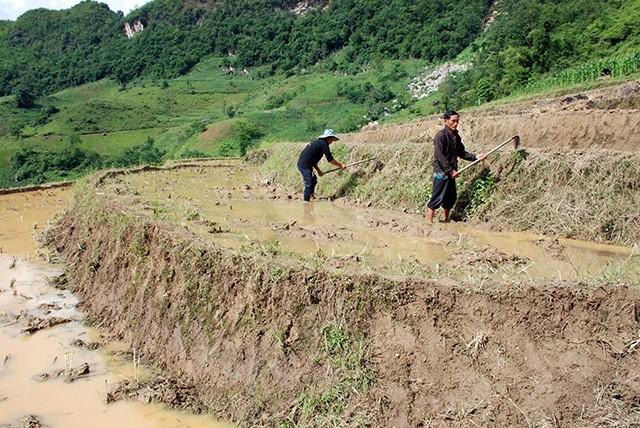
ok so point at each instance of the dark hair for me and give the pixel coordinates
(447, 114)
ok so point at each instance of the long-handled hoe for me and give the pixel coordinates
(516, 143)
(351, 164)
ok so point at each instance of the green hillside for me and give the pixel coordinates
(218, 78)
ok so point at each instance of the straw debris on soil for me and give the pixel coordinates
(585, 194)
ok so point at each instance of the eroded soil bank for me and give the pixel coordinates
(266, 339)
(607, 118)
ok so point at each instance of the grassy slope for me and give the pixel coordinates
(110, 118)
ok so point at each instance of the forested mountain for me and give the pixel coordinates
(57, 49)
(89, 88)
(510, 41)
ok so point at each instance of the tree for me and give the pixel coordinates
(25, 98)
(142, 154)
(15, 129)
(74, 140)
(245, 134)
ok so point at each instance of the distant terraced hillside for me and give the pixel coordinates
(607, 118)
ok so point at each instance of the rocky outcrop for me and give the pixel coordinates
(423, 85)
(132, 30)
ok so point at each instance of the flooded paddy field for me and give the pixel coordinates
(227, 203)
(271, 312)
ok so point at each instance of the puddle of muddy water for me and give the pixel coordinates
(229, 206)
(23, 215)
(25, 357)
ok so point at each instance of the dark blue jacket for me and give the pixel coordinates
(313, 152)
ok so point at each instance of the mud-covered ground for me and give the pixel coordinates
(262, 337)
(277, 313)
(229, 204)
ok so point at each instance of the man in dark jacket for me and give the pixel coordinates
(448, 148)
(309, 158)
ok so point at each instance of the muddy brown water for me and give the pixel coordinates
(24, 357)
(228, 204)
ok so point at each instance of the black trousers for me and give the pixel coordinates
(443, 193)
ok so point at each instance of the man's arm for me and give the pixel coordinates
(468, 156)
(338, 164)
(472, 158)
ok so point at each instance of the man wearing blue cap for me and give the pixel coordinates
(309, 158)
